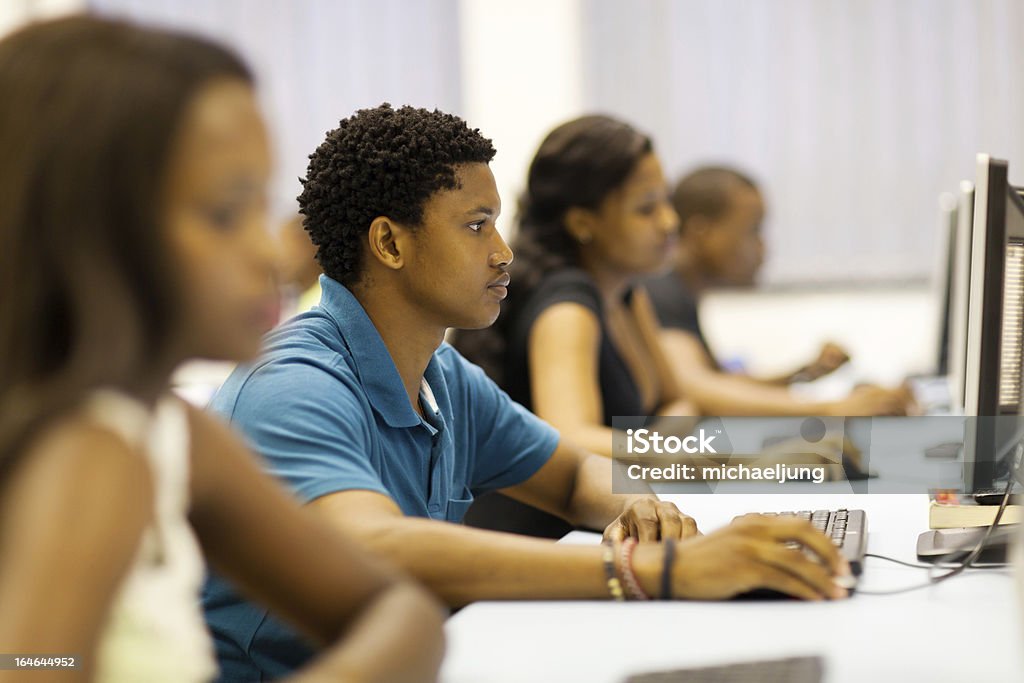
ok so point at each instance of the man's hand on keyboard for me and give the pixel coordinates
(752, 553)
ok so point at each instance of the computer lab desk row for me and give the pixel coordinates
(965, 629)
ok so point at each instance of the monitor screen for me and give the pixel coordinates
(948, 210)
(959, 285)
(995, 318)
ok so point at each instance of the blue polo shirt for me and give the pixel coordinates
(325, 407)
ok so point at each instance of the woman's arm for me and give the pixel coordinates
(673, 400)
(382, 628)
(563, 352)
(71, 516)
(563, 349)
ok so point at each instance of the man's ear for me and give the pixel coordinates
(387, 240)
(581, 224)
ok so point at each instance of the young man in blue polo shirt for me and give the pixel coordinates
(388, 432)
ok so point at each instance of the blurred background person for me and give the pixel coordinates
(298, 291)
(133, 233)
(721, 211)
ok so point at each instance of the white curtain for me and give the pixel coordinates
(854, 115)
(317, 61)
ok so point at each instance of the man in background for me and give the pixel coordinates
(721, 211)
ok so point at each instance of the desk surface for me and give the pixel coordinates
(966, 629)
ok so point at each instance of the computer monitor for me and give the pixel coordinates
(995, 328)
(959, 287)
(943, 281)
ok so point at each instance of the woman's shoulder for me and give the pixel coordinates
(569, 275)
(68, 470)
(80, 440)
(565, 285)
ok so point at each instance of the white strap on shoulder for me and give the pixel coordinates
(124, 415)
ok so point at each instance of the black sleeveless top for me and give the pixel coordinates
(676, 306)
(620, 394)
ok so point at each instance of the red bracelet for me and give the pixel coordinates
(633, 588)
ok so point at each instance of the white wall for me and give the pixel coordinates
(521, 76)
(854, 114)
(890, 332)
(317, 61)
(14, 13)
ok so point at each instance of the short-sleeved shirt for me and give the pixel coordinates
(620, 394)
(676, 306)
(326, 408)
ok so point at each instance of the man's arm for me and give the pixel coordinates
(463, 564)
(830, 358)
(722, 394)
(719, 393)
(576, 486)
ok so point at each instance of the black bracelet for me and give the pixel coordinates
(611, 577)
(666, 569)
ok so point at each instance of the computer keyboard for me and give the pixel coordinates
(791, 670)
(846, 528)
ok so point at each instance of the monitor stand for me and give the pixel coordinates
(953, 545)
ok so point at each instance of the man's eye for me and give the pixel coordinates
(475, 227)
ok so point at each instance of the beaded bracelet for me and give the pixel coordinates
(666, 569)
(633, 588)
(612, 579)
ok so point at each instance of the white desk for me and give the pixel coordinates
(966, 629)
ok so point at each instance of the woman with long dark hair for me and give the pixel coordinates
(576, 340)
(133, 166)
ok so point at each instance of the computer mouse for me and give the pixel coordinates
(769, 594)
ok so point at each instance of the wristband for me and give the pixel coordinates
(611, 579)
(666, 569)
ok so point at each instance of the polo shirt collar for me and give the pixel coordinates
(373, 364)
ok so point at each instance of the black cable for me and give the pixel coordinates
(913, 565)
(973, 554)
(922, 565)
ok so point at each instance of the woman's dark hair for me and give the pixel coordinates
(88, 296)
(578, 164)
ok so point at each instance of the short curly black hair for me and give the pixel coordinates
(380, 162)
